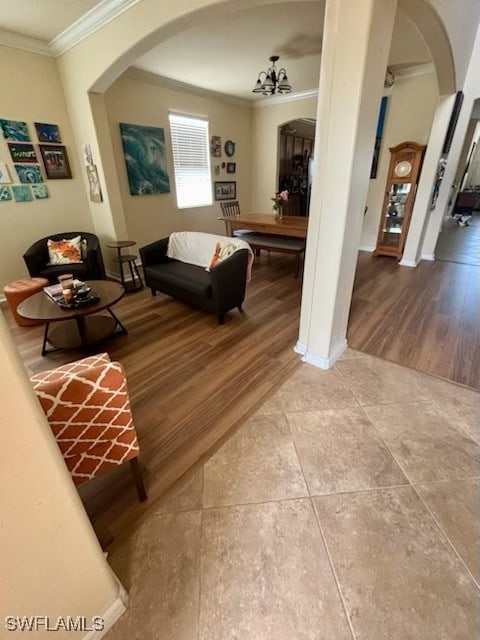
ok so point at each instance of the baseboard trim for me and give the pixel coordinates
(367, 247)
(111, 615)
(407, 263)
(428, 256)
(321, 363)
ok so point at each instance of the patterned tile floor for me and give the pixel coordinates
(346, 507)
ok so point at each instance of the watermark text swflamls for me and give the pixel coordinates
(62, 623)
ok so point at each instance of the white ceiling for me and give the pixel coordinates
(224, 53)
(41, 19)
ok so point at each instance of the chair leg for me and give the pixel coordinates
(137, 476)
(154, 291)
(221, 318)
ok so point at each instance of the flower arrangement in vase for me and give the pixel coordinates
(278, 199)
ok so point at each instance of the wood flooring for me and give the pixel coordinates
(427, 318)
(192, 382)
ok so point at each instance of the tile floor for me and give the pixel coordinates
(345, 508)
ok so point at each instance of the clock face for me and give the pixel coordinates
(403, 168)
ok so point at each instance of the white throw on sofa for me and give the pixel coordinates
(180, 267)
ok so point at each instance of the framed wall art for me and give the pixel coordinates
(452, 125)
(378, 137)
(40, 191)
(22, 152)
(22, 193)
(47, 132)
(231, 167)
(4, 175)
(229, 148)
(5, 194)
(146, 159)
(14, 130)
(28, 173)
(94, 183)
(225, 190)
(216, 146)
(55, 160)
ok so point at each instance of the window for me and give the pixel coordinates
(191, 161)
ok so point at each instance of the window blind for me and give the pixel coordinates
(191, 161)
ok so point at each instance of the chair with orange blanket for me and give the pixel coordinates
(88, 408)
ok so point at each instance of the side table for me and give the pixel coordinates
(136, 283)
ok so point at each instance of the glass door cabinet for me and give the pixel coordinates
(403, 173)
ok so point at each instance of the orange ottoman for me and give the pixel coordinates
(16, 292)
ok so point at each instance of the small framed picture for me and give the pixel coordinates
(14, 130)
(216, 146)
(47, 132)
(5, 194)
(4, 175)
(28, 173)
(22, 193)
(225, 190)
(55, 160)
(22, 152)
(231, 167)
(94, 182)
(40, 191)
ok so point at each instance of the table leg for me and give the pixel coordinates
(123, 330)
(120, 264)
(80, 320)
(45, 339)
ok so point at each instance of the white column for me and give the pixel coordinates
(421, 210)
(355, 50)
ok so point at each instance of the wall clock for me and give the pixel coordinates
(229, 148)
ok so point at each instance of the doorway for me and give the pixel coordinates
(296, 152)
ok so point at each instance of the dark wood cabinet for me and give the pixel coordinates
(294, 166)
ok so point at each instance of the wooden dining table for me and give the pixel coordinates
(288, 226)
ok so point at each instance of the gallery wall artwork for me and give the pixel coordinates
(21, 152)
(5, 194)
(40, 191)
(26, 169)
(47, 132)
(22, 193)
(216, 146)
(28, 173)
(55, 160)
(14, 130)
(4, 174)
(145, 158)
(225, 190)
(94, 183)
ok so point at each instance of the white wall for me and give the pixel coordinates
(410, 110)
(31, 92)
(151, 217)
(265, 136)
(51, 562)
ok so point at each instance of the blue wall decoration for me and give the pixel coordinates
(145, 157)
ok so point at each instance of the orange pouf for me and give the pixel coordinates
(16, 292)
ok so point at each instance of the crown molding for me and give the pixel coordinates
(17, 41)
(87, 24)
(289, 97)
(134, 73)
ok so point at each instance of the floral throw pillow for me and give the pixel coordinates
(65, 251)
(223, 250)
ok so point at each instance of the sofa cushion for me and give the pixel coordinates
(180, 275)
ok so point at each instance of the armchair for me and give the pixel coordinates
(88, 408)
(92, 268)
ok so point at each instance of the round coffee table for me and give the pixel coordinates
(80, 327)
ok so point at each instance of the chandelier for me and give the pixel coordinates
(274, 81)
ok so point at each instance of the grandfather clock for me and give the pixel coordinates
(402, 179)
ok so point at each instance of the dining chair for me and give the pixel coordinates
(231, 209)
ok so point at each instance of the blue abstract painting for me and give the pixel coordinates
(146, 160)
(28, 173)
(48, 132)
(14, 130)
